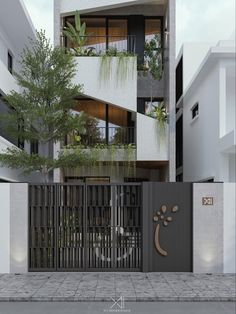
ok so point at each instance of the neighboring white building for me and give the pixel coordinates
(120, 106)
(13, 38)
(205, 96)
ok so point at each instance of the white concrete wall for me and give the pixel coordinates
(201, 155)
(13, 175)
(7, 81)
(13, 228)
(4, 228)
(5, 45)
(194, 53)
(7, 173)
(152, 143)
(208, 229)
(230, 99)
(19, 228)
(97, 5)
(122, 93)
(208, 147)
(229, 228)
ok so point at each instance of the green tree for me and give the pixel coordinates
(42, 112)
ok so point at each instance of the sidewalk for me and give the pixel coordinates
(104, 286)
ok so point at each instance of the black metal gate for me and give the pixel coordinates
(75, 227)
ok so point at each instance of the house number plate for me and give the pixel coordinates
(207, 200)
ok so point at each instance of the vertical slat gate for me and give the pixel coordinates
(42, 227)
(74, 227)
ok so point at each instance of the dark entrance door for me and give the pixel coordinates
(167, 226)
(85, 227)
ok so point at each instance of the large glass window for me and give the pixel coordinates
(146, 105)
(95, 36)
(117, 34)
(152, 28)
(96, 32)
(105, 124)
(95, 121)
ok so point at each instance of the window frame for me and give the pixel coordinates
(10, 61)
(195, 114)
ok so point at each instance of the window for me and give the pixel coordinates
(179, 142)
(179, 80)
(34, 147)
(145, 105)
(195, 110)
(10, 62)
(117, 34)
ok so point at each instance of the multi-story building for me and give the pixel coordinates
(13, 38)
(116, 96)
(205, 122)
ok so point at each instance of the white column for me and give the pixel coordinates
(229, 228)
(208, 228)
(222, 103)
(4, 227)
(19, 228)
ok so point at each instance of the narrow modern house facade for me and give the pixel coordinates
(124, 212)
(118, 94)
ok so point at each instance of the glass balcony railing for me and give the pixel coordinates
(101, 135)
(97, 45)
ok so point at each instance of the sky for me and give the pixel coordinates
(196, 20)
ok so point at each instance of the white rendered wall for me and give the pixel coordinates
(96, 5)
(208, 251)
(7, 173)
(201, 155)
(7, 81)
(230, 99)
(229, 228)
(150, 144)
(193, 53)
(112, 91)
(4, 228)
(19, 228)
(13, 175)
(6, 45)
(13, 228)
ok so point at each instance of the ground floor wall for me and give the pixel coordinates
(200, 230)
(13, 227)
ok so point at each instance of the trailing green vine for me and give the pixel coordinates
(115, 153)
(160, 114)
(124, 67)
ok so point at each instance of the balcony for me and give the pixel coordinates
(105, 136)
(102, 45)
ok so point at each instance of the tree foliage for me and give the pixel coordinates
(43, 109)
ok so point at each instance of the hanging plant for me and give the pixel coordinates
(153, 58)
(124, 67)
(160, 114)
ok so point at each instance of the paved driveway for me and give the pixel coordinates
(104, 286)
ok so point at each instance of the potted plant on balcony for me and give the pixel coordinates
(78, 37)
(160, 113)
